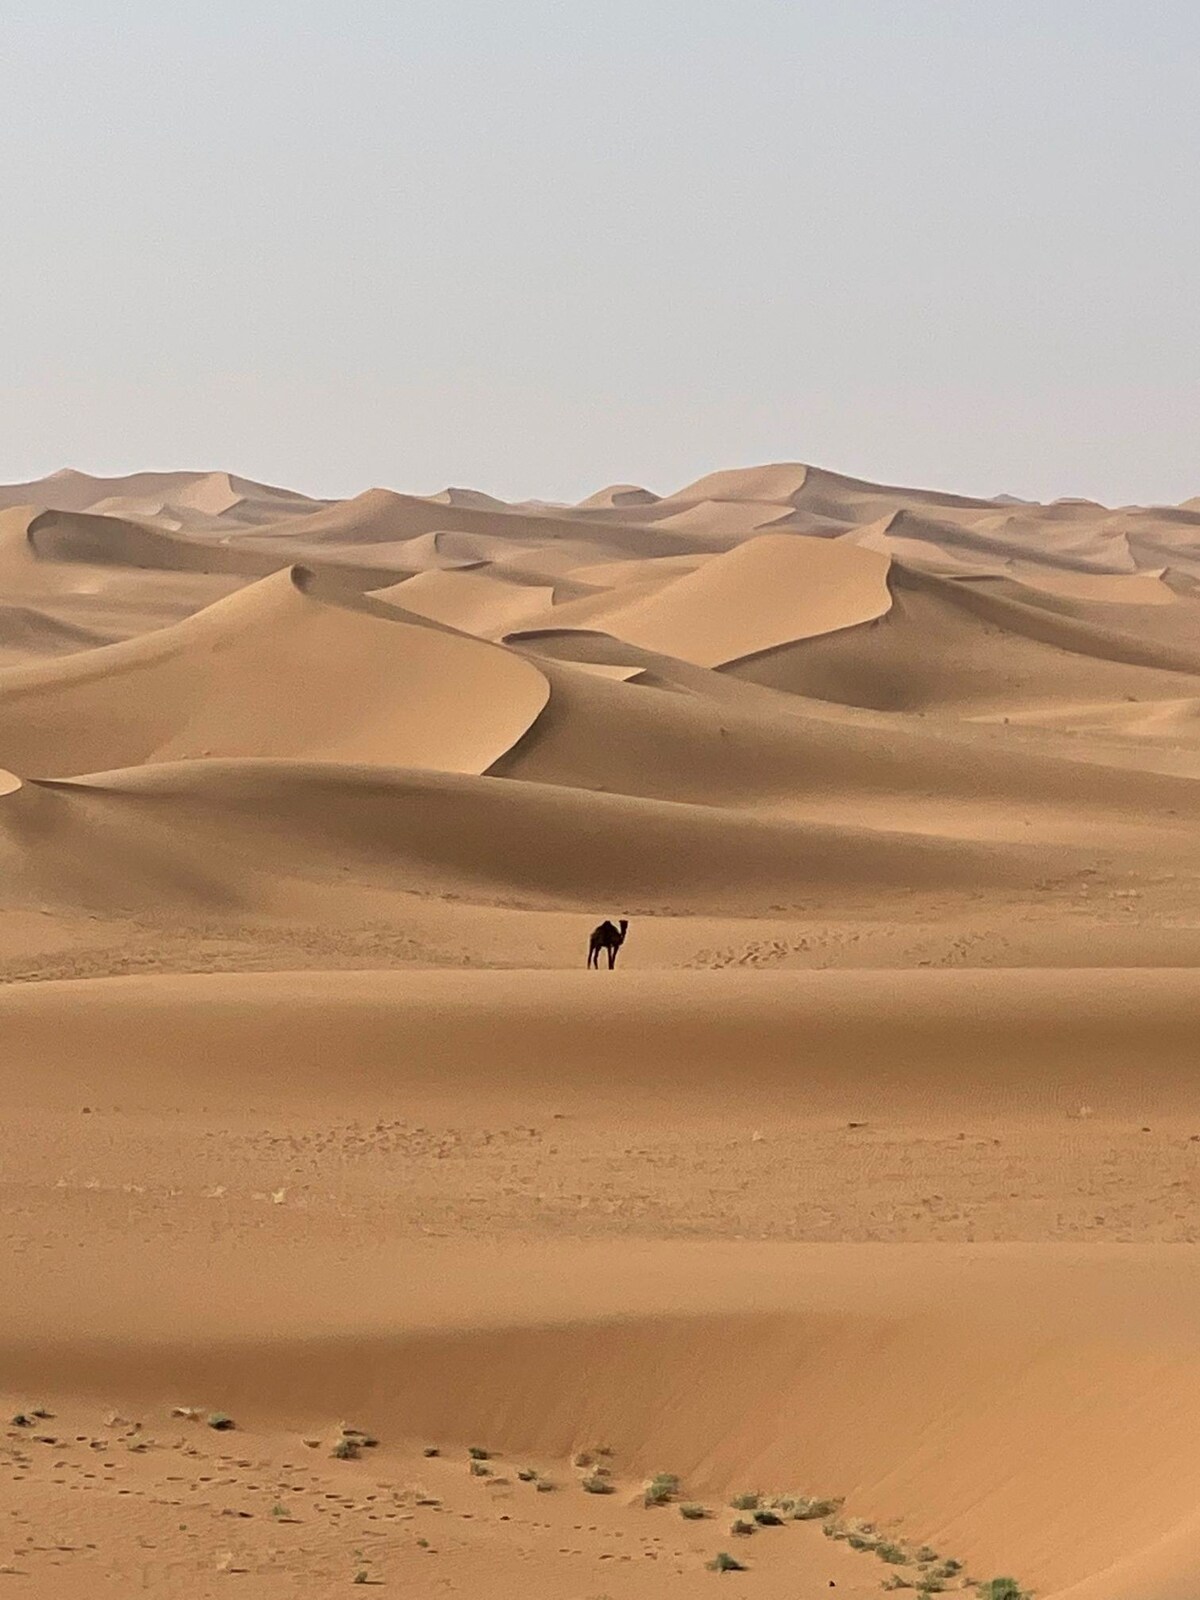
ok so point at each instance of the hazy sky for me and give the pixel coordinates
(534, 246)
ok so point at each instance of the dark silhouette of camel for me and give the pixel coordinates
(606, 937)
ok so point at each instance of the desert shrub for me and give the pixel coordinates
(1002, 1589)
(724, 1562)
(897, 1581)
(219, 1421)
(346, 1450)
(741, 1527)
(477, 1453)
(894, 1554)
(431, 1450)
(692, 1512)
(527, 1475)
(807, 1510)
(745, 1502)
(479, 1469)
(595, 1483)
(766, 1518)
(663, 1487)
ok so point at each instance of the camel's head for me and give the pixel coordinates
(624, 926)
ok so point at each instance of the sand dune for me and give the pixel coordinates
(772, 590)
(289, 836)
(619, 496)
(271, 671)
(474, 602)
(1025, 656)
(871, 1170)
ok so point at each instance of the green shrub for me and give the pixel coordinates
(807, 1510)
(596, 1483)
(724, 1562)
(894, 1554)
(692, 1512)
(663, 1487)
(745, 1502)
(1002, 1589)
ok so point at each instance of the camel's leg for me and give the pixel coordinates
(612, 957)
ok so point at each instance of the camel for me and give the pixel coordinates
(606, 937)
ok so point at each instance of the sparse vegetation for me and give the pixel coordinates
(662, 1488)
(545, 1486)
(808, 1510)
(691, 1512)
(430, 1451)
(346, 1450)
(745, 1502)
(741, 1527)
(724, 1562)
(596, 1483)
(527, 1474)
(1002, 1589)
(477, 1453)
(894, 1554)
(220, 1421)
(479, 1468)
(766, 1517)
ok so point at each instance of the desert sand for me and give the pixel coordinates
(871, 1175)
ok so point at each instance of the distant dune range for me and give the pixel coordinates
(873, 1170)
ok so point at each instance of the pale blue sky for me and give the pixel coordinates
(534, 246)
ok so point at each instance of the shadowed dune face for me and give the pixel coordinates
(871, 1171)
